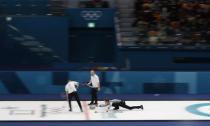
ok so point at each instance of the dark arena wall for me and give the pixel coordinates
(75, 31)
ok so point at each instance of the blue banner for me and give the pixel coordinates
(88, 17)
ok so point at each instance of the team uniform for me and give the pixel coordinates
(95, 85)
(116, 104)
(71, 91)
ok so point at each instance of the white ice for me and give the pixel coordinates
(58, 111)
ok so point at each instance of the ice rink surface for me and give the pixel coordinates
(58, 111)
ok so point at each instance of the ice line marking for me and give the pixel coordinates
(86, 111)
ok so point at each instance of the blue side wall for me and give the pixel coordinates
(164, 59)
(125, 82)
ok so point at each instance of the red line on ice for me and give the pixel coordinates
(86, 110)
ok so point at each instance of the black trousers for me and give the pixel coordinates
(123, 105)
(94, 97)
(75, 95)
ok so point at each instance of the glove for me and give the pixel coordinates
(99, 89)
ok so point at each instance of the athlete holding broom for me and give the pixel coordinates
(71, 91)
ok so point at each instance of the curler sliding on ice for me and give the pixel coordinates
(115, 104)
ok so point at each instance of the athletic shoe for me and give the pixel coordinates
(90, 103)
(141, 107)
(96, 104)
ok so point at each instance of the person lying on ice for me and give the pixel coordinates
(116, 103)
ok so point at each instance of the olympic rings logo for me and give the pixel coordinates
(194, 109)
(91, 15)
